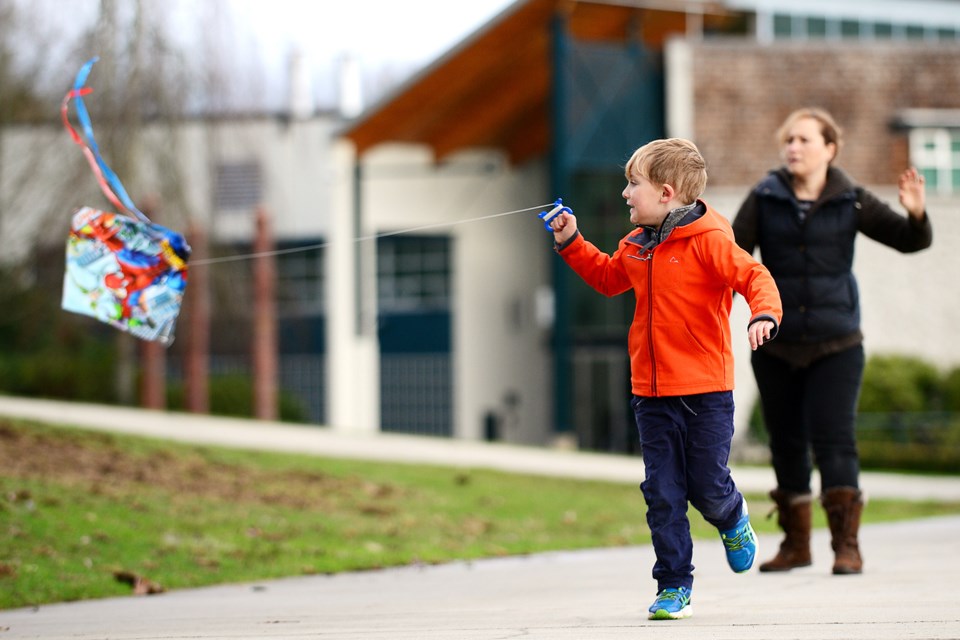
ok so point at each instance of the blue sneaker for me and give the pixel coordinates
(740, 544)
(671, 604)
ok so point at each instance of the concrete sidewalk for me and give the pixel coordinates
(907, 589)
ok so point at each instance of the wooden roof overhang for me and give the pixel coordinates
(493, 90)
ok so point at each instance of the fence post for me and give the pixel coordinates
(153, 355)
(196, 357)
(265, 365)
(153, 371)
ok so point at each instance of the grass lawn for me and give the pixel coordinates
(87, 514)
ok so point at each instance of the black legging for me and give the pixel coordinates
(812, 407)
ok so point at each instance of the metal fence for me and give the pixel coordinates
(416, 393)
(416, 390)
(920, 441)
(302, 379)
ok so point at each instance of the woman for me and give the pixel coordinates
(805, 217)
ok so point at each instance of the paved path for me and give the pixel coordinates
(907, 591)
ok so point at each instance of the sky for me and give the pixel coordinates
(375, 30)
(388, 39)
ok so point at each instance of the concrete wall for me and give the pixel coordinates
(499, 268)
(299, 172)
(352, 352)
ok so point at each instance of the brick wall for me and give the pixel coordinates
(743, 91)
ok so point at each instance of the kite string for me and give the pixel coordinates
(112, 187)
(377, 236)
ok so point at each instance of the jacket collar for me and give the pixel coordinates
(779, 183)
(649, 237)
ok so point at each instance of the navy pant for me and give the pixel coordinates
(686, 447)
(812, 407)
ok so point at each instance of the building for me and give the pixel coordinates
(419, 292)
(556, 95)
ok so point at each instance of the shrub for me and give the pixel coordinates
(928, 441)
(897, 384)
(908, 417)
(232, 395)
(951, 390)
(85, 376)
(756, 429)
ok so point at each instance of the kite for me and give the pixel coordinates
(121, 268)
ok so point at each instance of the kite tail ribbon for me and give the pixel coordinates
(109, 182)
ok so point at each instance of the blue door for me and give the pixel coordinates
(414, 328)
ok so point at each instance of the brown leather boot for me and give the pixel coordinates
(793, 516)
(844, 505)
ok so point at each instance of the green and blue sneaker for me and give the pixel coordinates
(671, 604)
(740, 544)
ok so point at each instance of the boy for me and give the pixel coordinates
(682, 264)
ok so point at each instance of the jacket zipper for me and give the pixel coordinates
(653, 360)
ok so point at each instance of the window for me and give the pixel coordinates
(413, 273)
(815, 27)
(851, 28)
(946, 34)
(300, 281)
(883, 30)
(782, 27)
(936, 154)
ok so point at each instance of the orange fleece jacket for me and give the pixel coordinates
(679, 341)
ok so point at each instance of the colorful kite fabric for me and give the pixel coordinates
(125, 273)
(121, 268)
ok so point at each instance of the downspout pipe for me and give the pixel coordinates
(560, 182)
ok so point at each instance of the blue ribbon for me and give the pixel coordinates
(84, 117)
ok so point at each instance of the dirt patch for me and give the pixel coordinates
(99, 463)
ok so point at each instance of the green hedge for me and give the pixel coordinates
(47, 353)
(909, 416)
(88, 376)
(916, 441)
(232, 395)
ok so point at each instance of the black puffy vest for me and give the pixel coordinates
(811, 261)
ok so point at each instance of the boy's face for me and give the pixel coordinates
(647, 201)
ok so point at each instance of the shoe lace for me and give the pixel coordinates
(737, 541)
(672, 594)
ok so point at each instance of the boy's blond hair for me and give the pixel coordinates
(673, 161)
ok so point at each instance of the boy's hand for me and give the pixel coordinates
(759, 332)
(564, 226)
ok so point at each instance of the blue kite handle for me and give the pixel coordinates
(548, 216)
